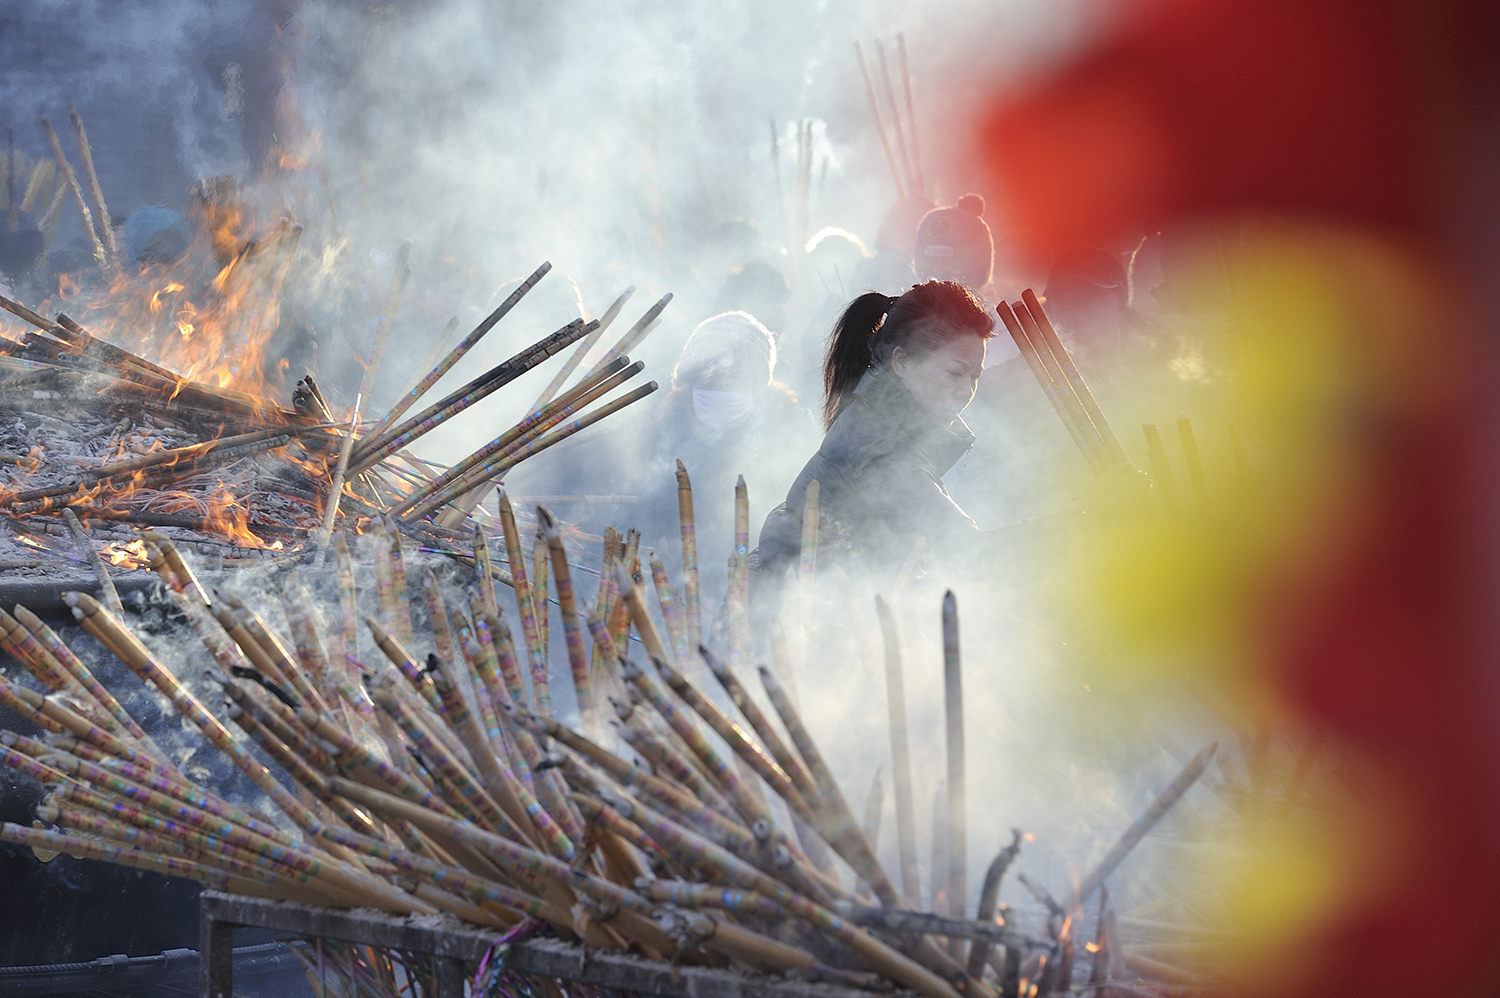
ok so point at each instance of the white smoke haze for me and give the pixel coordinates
(629, 143)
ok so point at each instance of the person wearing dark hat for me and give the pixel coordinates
(954, 244)
(1088, 298)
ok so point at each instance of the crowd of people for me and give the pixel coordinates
(879, 374)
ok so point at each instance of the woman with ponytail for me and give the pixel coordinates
(897, 373)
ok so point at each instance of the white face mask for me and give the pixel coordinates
(721, 410)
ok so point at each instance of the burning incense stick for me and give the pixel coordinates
(388, 308)
(958, 818)
(581, 351)
(838, 818)
(769, 738)
(572, 632)
(885, 139)
(375, 449)
(1161, 471)
(689, 556)
(1073, 377)
(890, 95)
(541, 691)
(336, 489)
(457, 353)
(671, 611)
(739, 579)
(895, 694)
(1195, 468)
(918, 187)
(471, 489)
(517, 436)
(484, 573)
(1169, 795)
(1067, 405)
(49, 640)
(632, 338)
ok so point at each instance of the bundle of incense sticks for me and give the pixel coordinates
(443, 778)
(1059, 377)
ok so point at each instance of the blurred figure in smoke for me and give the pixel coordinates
(725, 416)
(835, 269)
(759, 288)
(954, 244)
(898, 372)
(1088, 297)
(891, 266)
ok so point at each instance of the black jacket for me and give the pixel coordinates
(880, 473)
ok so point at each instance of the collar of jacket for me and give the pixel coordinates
(888, 397)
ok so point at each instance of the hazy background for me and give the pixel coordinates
(629, 144)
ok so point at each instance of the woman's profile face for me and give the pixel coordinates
(943, 379)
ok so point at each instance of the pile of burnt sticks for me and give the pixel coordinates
(130, 444)
(448, 785)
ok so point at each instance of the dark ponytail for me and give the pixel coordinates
(874, 324)
(851, 349)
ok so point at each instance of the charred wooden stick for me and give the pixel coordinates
(885, 139)
(86, 156)
(918, 187)
(1169, 795)
(107, 590)
(527, 429)
(83, 206)
(580, 352)
(1068, 408)
(175, 456)
(989, 899)
(690, 591)
(895, 695)
(388, 308)
(375, 449)
(456, 354)
(958, 818)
